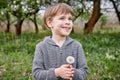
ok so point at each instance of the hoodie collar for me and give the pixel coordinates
(50, 41)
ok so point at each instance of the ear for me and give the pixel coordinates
(49, 23)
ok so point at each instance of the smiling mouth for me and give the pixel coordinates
(66, 27)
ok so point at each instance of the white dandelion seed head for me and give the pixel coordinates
(70, 59)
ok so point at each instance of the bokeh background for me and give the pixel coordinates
(96, 27)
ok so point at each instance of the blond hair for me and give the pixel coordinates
(61, 8)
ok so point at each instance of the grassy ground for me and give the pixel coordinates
(102, 50)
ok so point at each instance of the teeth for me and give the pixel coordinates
(66, 27)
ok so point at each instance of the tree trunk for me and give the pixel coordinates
(94, 18)
(18, 26)
(35, 23)
(8, 22)
(116, 10)
(8, 26)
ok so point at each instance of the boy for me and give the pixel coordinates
(50, 55)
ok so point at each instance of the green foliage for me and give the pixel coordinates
(103, 19)
(103, 54)
(84, 16)
(3, 3)
(102, 51)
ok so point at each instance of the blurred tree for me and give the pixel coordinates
(94, 17)
(3, 3)
(16, 9)
(116, 4)
(23, 9)
(33, 8)
(4, 13)
(7, 14)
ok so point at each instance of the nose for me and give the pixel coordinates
(67, 21)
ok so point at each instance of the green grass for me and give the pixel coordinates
(102, 50)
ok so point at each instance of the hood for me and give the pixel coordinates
(50, 41)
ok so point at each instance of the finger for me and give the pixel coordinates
(69, 73)
(65, 65)
(67, 69)
(67, 76)
(72, 69)
(72, 75)
(71, 66)
(70, 78)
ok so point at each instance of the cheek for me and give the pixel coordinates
(71, 23)
(58, 24)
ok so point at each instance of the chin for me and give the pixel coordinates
(67, 34)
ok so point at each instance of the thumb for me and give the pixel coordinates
(66, 65)
(70, 66)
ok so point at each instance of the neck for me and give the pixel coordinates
(59, 40)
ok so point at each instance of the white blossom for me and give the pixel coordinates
(70, 59)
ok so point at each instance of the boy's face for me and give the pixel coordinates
(61, 24)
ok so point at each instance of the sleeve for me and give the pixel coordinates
(38, 70)
(81, 70)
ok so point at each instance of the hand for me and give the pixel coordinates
(65, 71)
(70, 66)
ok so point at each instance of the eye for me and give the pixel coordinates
(70, 18)
(61, 18)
